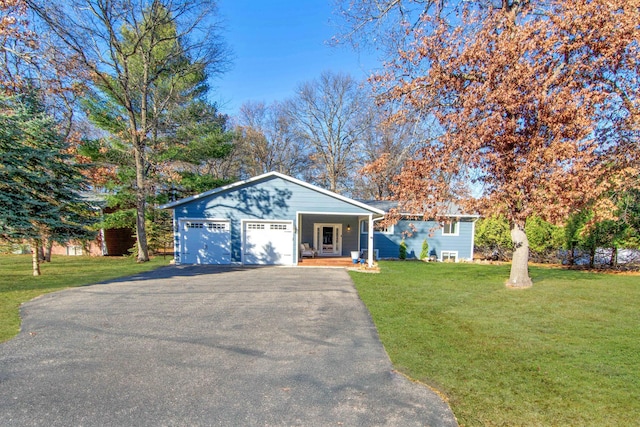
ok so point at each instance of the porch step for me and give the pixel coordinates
(326, 262)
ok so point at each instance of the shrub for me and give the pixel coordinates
(403, 250)
(424, 253)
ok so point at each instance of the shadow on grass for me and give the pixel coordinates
(542, 274)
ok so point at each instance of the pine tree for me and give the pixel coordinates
(39, 184)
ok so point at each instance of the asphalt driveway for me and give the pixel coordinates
(189, 346)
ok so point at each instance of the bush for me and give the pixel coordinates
(424, 253)
(403, 250)
(493, 238)
(544, 239)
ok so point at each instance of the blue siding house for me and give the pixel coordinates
(450, 241)
(276, 219)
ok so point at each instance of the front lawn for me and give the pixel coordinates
(565, 352)
(17, 284)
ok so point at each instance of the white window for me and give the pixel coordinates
(255, 226)
(377, 228)
(279, 227)
(217, 226)
(450, 228)
(74, 250)
(449, 256)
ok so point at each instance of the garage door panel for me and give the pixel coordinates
(206, 242)
(268, 243)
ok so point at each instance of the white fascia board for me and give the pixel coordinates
(447, 215)
(205, 219)
(370, 210)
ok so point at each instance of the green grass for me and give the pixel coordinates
(564, 352)
(17, 284)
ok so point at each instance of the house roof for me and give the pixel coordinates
(266, 176)
(453, 210)
(93, 197)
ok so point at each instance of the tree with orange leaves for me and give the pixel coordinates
(537, 101)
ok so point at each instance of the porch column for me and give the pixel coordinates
(370, 242)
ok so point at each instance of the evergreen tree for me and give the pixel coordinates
(39, 184)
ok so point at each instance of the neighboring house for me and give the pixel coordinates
(265, 220)
(111, 242)
(108, 242)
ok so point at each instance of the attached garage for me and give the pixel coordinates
(264, 220)
(268, 242)
(205, 241)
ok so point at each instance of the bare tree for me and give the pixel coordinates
(389, 144)
(268, 142)
(331, 114)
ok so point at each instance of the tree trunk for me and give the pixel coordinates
(613, 262)
(141, 231)
(592, 257)
(572, 258)
(139, 148)
(47, 250)
(40, 251)
(35, 258)
(519, 277)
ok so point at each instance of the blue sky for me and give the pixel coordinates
(278, 44)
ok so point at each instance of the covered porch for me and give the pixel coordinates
(329, 239)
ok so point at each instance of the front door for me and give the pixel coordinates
(328, 239)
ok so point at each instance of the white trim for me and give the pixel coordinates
(204, 219)
(444, 215)
(268, 175)
(296, 246)
(356, 214)
(473, 238)
(176, 240)
(337, 235)
(456, 231)
(450, 253)
(183, 221)
(388, 231)
(370, 241)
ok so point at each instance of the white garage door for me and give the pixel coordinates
(268, 243)
(205, 242)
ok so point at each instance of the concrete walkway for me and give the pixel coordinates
(201, 346)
